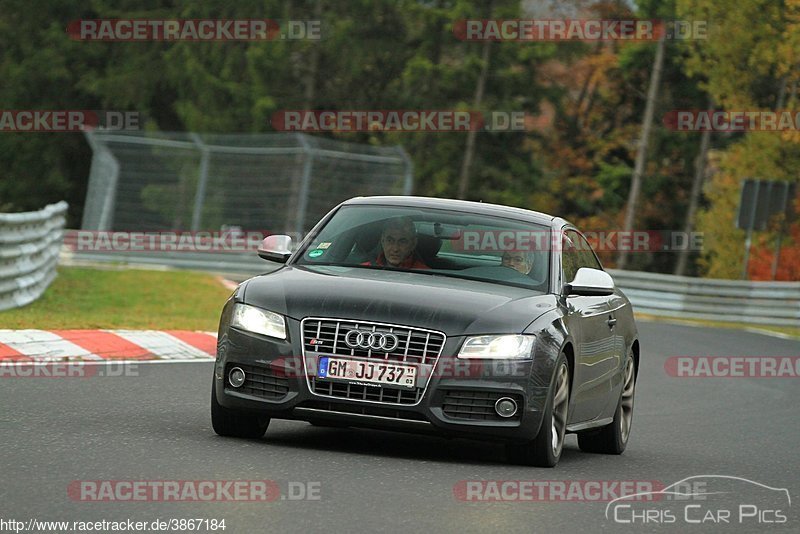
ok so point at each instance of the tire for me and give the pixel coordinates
(235, 424)
(613, 438)
(545, 449)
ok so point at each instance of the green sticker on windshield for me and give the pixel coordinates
(316, 253)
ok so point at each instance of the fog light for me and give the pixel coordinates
(505, 407)
(236, 377)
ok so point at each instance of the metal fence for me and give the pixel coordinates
(276, 182)
(663, 295)
(29, 251)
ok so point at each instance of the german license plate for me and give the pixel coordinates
(379, 372)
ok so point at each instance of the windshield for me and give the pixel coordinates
(434, 242)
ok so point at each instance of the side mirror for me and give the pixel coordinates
(590, 283)
(276, 248)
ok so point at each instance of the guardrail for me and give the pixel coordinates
(664, 295)
(29, 251)
(244, 264)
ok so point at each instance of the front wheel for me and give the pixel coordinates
(235, 424)
(545, 449)
(613, 438)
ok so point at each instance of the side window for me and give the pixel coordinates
(586, 256)
(569, 258)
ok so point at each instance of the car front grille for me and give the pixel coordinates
(346, 390)
(476, 405)
(326, 337)
(416, 345)
(260, 381)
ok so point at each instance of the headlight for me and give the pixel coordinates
(497, 347)
(259, 321)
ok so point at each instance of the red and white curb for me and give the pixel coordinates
(106, 345)
(230, 285)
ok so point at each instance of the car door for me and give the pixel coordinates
(592, 327)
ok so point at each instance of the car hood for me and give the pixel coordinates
(451, 305)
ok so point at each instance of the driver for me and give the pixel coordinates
(518, 260)
(398, 246)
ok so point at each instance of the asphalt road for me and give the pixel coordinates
(156, 426)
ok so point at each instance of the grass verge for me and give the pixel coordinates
(169, 300)
(131, 298)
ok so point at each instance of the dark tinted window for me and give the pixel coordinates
(569, 259)
(586, 256)
(440, 242)
(576, 253)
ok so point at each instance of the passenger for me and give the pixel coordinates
(398, 246)
(518, 260)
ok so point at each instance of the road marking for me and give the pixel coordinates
(199, 340)
(43, 345)
(230, 285)
(688, 322)
(9, 354)
(105, 344)
(765, 332)
(27, 346)
(162, 344)
(29, 363)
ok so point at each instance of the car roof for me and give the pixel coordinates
(482, 208)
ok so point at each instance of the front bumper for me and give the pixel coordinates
(458, 401)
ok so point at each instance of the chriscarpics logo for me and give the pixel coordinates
(705, 500)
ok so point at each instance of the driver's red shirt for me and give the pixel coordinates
(411, 262)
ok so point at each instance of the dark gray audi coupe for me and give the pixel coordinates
(429, 315)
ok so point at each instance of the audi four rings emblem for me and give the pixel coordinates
(382, 341)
